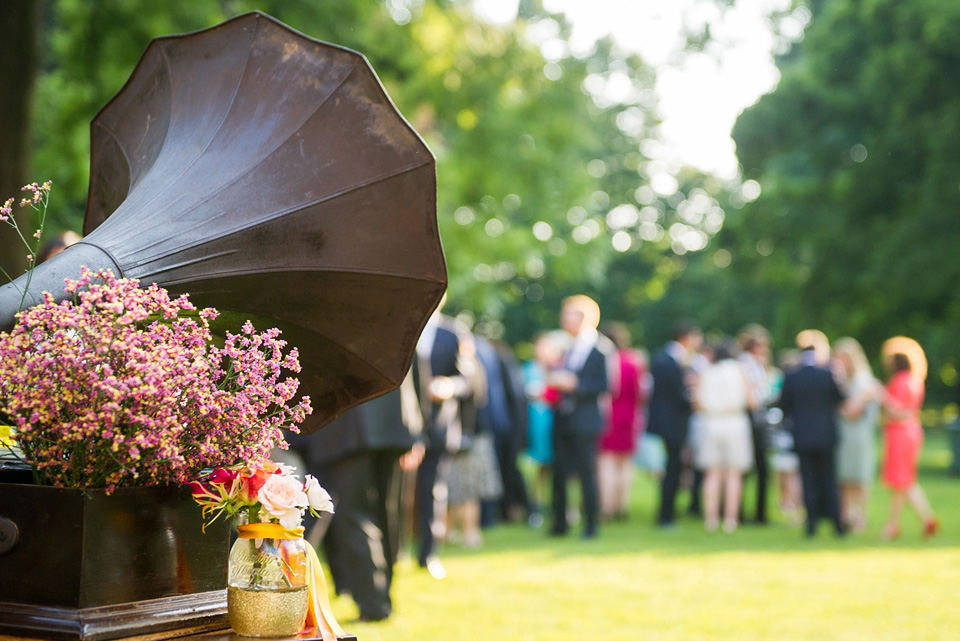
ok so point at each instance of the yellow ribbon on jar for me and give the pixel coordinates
(319, 612)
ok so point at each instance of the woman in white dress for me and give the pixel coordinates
(723, 398)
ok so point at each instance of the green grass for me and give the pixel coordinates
(636, 582)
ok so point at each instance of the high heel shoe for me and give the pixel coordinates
(890, 532)
(931, 527)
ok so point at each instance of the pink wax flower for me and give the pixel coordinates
(120, 385)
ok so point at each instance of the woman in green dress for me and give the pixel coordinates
(859, 416)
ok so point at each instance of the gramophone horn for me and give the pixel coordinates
(268, 175)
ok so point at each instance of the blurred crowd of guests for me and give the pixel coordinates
(724, 409)
(439, 459)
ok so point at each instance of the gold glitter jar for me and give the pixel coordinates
(267, 591)
(267, 613)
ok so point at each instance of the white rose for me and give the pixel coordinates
(283, 497)
(318, 498)
(286, 470)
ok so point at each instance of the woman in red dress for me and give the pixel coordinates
(903, 434)
(625, 423)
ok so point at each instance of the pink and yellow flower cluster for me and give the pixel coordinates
(269, 493)
(120, 385)
(37, 196)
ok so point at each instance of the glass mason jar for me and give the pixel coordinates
(267, 586)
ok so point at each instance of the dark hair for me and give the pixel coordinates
(899, 362)
(724, 349)
(56, 244)
(685, 327)
(617, 332)
(50, 248)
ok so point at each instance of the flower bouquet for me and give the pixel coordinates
(111, 401)
(275, 584)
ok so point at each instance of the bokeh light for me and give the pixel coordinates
(464, 216)
(621, 241)
(542, 231)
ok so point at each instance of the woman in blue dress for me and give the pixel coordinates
(548, 355)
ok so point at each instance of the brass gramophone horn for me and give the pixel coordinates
(268, 175)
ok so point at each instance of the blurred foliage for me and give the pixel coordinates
(19, 65)
(543, 183)
(855, 152)
(549, 180)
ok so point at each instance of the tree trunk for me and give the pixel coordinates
(19, 21)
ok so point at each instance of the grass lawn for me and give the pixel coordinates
(636, 582)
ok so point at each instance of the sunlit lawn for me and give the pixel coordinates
(636, 582)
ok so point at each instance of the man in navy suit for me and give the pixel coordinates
(670, 407)
(578, 419)
(810, 400)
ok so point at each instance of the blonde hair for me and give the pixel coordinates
(586, 306)
(752, 334)
(852, 348)
(817, 340)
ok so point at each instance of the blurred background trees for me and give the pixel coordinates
(856, 154)
(549, 179)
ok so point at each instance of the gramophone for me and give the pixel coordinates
(268, 175)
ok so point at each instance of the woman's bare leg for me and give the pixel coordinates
(733, 484)
(711, 498)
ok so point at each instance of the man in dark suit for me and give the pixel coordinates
(504, 415)
(446, 379)
(810, 400)
(668, 413)
(578, 417)
(356, 459)
(755, 342)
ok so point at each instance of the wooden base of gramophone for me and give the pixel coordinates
(155, 619)
(216, 635)
(84, 565)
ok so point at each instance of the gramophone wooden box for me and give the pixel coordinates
(81, 564)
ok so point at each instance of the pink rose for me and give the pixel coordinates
(284, 499)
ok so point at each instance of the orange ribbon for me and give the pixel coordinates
(268, 531)
(319, 612)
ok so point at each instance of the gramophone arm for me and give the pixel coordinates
(49, 276)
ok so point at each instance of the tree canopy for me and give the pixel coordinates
(855, 152)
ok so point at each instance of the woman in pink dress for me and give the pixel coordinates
(903, 434)
(624, 424)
